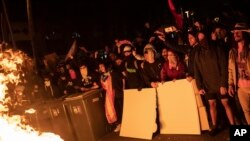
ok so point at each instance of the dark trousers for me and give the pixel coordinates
(119, 108)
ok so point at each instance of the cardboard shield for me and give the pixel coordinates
(178, 111)
(139, 113)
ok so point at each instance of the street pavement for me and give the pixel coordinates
(223, 135)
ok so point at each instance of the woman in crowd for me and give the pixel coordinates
(188, 50)
(172, 69)
(112, 82)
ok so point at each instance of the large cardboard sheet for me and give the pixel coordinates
(178, 111)
(201, 108)
(139, 113)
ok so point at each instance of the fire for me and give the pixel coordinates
(30, 111)
(13, 127)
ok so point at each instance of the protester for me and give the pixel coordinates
(188, 50)
(205, 61)
(131, 69)
(65, 82)
(113, 84)
(173, 69)
(88, 80)
(164, 55)
(239, 69)
(151, 67)
(210, 71)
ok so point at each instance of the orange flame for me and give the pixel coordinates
(11, 127)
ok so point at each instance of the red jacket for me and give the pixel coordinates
(168, 73)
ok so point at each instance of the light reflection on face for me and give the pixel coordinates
(118, 62)
(149, 55)
(238, 35)
(192, 40)
(164, 53)
(102, 68)
(172, 57)
(83, 70)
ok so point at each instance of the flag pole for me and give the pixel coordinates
(3, 38)
(31, 32)
(8, 23)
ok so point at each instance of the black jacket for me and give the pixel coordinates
(210, 68)
(152, 72)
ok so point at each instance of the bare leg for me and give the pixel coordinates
(213, 111)
(228, 110)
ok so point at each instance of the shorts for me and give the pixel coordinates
(210, 96)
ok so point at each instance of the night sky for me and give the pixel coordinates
(100, 21)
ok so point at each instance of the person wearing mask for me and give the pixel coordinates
(64, 82)
(51, 90)
(87, 79)
(211, 75)
(220, 37)
(131, 69)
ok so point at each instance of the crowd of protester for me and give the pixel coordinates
(215, 55)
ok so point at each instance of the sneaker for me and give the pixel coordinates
(213, 131)
(118, 128)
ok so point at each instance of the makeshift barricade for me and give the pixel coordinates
(178, 109)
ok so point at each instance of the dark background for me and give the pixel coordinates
(99, 22)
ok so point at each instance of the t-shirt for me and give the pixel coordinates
(88, 81)
(243, 72)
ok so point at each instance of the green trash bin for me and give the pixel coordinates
(87, 114)
(40, 120)
(60, 120)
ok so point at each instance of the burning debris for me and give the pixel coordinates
(13, 66)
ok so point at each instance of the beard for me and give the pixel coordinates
(165, 57)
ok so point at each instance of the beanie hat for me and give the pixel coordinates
(127, 48)
(149, 46)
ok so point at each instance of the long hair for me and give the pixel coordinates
(246, 37)
(246, 49)
(175, 54)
